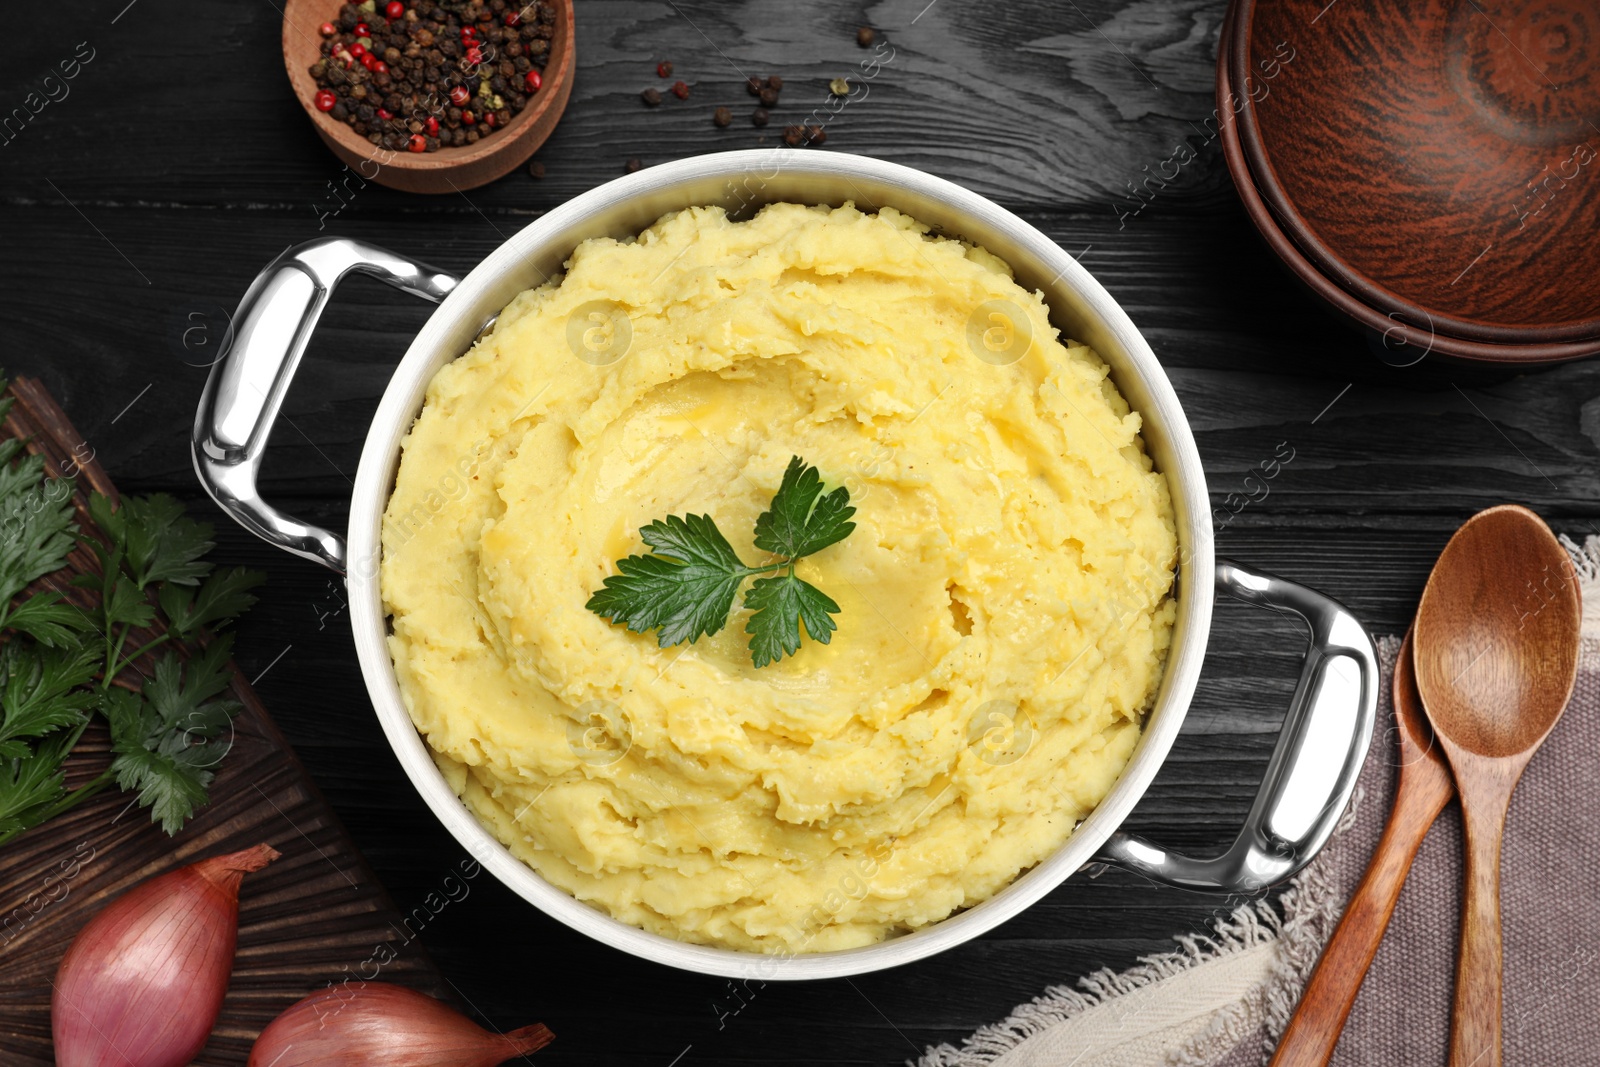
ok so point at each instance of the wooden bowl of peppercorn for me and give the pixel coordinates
(431, 96)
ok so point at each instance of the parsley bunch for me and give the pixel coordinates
(685, 587)
(62, 665)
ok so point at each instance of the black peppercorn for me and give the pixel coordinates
(632, 165)
(816, 135)
(769, 98)
(793, 135)
(865, 36)
(651, 98)
(536, 169)
(721, 116)
(775, 83)
(754, 85)
(758, 117)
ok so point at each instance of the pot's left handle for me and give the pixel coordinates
(248, 383)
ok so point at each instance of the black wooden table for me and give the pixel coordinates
(145, 193)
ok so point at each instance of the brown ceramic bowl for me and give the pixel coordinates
(449, 170)
(1434, 159)
(1407, 337)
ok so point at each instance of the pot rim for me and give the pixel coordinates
(1037, 261)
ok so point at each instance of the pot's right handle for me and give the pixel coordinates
(1314, 768)
(248, 383)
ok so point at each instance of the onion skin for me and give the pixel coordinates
(375, 1023)
(142, 983)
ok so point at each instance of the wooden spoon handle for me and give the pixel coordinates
(1312, 1033)
(1475, 1026)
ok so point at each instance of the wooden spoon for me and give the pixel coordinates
(1496, 656)
(1423, 789)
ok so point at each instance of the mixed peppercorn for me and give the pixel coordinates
(421, 75)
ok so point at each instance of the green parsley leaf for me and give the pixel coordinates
(224, 596)
(166, 736)
(36, 525)
(39, 691)
(30, 785)
(791, 527)
(779, 606)
(49, 619)
(159, 542)
(685, 589)
(120, 599)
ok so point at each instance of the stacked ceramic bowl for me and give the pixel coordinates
(1429, 169)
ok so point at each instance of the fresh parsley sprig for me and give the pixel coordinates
(61, 664)
(685, 586)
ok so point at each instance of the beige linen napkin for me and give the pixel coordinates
(1223, 999)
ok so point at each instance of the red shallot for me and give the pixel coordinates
(142, 984)
(374, 1023)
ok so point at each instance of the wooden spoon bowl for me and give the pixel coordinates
(1496, 656)
(449, 170)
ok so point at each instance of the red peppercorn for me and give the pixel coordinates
(418, 143)
(459, 96)
(663, 69)
(394, 9)
(359, 50)
(433, 126)
(363, 30)
(370, 61)
(533, 80)
(325, 100)
(327, 29)
(513, 18)
(468, 118)
(680, 90)
(488, 119)
(468, 33)
(385, 113)
(380, 67)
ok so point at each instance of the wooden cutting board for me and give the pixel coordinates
(315, 916)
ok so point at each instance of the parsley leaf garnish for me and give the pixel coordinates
(793, 527)
(685, 589)
(777, 604)
(686, 586)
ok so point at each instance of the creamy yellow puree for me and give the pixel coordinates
(1005, 597)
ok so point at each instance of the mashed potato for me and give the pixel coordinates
(1006, 596)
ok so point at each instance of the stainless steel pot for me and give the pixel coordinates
(1330, 719)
